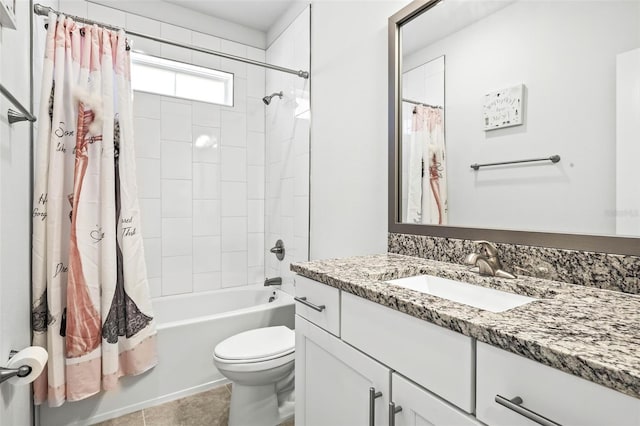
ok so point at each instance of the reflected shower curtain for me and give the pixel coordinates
(91, 306)
(427, 185)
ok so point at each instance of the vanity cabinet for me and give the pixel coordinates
(420, 407)
(337, 385)
(555, 395)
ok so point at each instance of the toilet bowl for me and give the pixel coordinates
(260, 363)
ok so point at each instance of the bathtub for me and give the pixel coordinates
(189, 327)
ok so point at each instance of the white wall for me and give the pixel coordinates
(569, 73)
(349, 127)
(15, 404)
(287, 162)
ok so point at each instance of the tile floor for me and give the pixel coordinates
(210, 408)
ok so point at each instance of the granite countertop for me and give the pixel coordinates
(587, 332)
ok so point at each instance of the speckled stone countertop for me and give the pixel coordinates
(587, 332)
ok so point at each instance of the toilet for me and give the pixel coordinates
(260, 363)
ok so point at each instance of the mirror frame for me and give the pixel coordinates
(595, 243)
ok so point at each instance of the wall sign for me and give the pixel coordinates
(503, 108)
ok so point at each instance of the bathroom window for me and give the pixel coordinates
(171, 78)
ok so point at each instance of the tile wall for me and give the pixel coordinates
(288, 142)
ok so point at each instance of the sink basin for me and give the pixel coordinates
(477, 296)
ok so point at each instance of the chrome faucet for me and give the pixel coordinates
(487, 262)
(273, 281)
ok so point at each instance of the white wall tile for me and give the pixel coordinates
(144, 25)
(208, 42)
(74, 7)
(148, 178)
(301, 175)
(101, 13)
(176, 198)
(301, 217)
(176, 121)
(256, 82)
(234, 269)
(206, 181)
(153, 257)
(205, 114)
(206, 282)
(146, 105)
(234, 164)
(177, 275)
(180, 35)
(176, 160)
(206, 254)
(255, 216)
(255, 114)
(146, 137)
(234, 234)
(256, 251)
(239, 96)
(206, 144)
(155, 287)
(234, 199)
(256, 146)
(236, 67)
(206, 217)
(177, 236)
(256, 54)
(150, 217)
(233, 129)
(255, 182)
(256, 275)
(286, 199)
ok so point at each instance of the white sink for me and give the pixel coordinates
(469, 294)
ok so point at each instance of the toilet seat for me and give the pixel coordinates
(255, 350)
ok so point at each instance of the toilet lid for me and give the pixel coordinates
(261, 343)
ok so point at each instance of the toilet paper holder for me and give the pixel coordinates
(7, 373)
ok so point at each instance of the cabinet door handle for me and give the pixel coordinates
(393, 410)
(303, 300)
(372, 405)
(515, 404)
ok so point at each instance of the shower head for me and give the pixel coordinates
(267, 99)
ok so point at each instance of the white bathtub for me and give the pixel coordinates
(189, 327)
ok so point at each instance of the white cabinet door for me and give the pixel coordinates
(422, 408)
(333, 381)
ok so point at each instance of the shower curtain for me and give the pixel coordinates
(91, 306)
(427, 185)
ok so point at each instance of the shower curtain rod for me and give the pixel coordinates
(420, 103)
(39, 9)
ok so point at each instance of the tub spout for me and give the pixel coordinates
(273, 281)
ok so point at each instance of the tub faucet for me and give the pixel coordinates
(273, 281)
(487, 262)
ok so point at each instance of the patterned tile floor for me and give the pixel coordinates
(210, 408)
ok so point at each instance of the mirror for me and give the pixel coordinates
(517, 121)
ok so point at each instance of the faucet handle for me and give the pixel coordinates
(487, 248)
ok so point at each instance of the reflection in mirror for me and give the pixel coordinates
(523, 80)
(424, 186)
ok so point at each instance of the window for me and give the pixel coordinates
(170, 78)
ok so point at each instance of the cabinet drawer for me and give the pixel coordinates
(326, 300)
(420, 407)
(438, 359)
(551, 393)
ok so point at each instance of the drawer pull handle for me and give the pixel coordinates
(393, 410)
(303, 300)
(373, 395)
(515, 404)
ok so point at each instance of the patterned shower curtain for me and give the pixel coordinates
(91, 305)
(427, 180)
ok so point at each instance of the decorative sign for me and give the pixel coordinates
(503, 108)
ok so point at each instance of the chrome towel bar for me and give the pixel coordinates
(15, 116)
(553, 159)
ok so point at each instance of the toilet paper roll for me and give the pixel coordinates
(35, 357)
